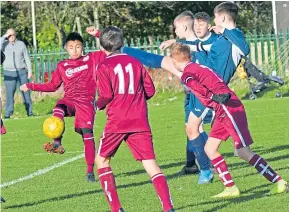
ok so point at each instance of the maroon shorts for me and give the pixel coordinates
(139, 143)
(231, 121)
(83, 111)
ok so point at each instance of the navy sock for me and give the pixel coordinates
(190, 156)
(197, 146)
(146, 58)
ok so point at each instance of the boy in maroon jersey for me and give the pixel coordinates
(3, 130)
(78, 77)
(230, 120)
(124, 88)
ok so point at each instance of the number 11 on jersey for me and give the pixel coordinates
(119, 71)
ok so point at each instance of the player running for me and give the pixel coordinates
(230, 120)
(78, 77)
(124, 88)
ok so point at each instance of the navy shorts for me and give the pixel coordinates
(193, 104)
(187, 107)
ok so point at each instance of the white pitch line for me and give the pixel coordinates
(42, 171)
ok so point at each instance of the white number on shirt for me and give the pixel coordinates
(119, 71)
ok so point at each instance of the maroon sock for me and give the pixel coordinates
(3, 130)
(59, 112)
(107, 181)
(261, 165)
(223, 172)
(89, 151)
(161, 186)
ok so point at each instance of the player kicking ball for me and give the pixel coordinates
(78, 77)
(230, 120)
(124, 88)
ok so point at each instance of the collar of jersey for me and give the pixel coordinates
(114, 55)
(206, 38)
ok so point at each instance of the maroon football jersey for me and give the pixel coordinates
(77, 76)
(204, 82)
(124, 87)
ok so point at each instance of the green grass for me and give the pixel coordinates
(65, 189)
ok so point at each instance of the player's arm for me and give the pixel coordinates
(207, 97)
(192, 44)
(104, 88)
(51, 86)
(97, 56)
(198, 89)
(199, 45)
(146, 58)
(148, 84)
(236, 37)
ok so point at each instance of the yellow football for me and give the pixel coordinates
(53, 127)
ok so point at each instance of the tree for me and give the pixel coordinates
(255, 15)
(60, 14)
(137, 19)
(16, 15)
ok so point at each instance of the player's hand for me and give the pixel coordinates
(29, 75)
(218, 29)
(93, 31)
(166, 44)
(221, 98)
(24, 88)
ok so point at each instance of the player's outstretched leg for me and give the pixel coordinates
(264, 169)
(56, 146)
(160, 184)
(107, 181)
(89, 152)
(221, 168)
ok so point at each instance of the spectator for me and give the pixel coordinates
(17, 69)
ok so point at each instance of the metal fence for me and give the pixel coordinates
(268, 51)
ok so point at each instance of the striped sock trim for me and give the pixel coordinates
(157, 175)
(106, 173)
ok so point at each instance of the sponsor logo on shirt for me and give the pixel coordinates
(65, 64)
(223, 115)
(71, 71)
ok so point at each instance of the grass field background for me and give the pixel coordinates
(65, 189)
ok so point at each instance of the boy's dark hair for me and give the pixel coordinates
(74, 36)
(229, 8)
(203, 16)
(111, 39)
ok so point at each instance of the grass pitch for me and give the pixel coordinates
(65, 189)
